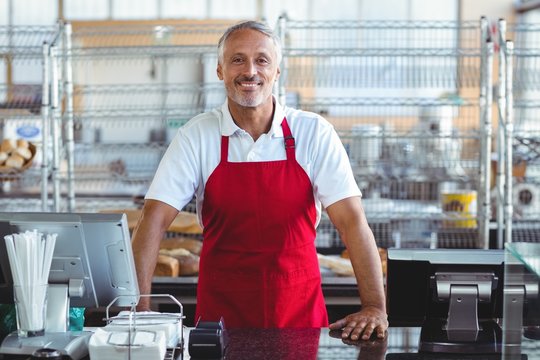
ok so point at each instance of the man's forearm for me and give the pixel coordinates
(368, 271)
(154, 221)
(369, 277)
(145, 252)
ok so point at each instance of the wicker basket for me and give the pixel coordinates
(7, 170)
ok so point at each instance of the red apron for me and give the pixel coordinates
(259, 265)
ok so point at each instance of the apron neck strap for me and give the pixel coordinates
(224, 148)
(288, 140)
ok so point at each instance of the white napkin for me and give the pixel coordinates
(112, 345)
(170, 324)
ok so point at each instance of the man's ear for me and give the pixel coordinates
(219, 72)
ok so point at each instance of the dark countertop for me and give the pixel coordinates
(302, 344)
(311, 344)
(323, 344)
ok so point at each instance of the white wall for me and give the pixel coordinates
(46, 11)
(492, 9)
(35, 12)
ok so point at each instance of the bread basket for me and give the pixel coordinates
(8, 173)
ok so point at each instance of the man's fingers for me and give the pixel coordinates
(338, 325)
(368, 330)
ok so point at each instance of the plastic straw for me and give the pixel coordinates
(30, 257)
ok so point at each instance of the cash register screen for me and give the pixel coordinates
(447, 292)
(94, 248)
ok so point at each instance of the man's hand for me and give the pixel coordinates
(362, 324)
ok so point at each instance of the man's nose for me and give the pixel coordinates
(250, 68)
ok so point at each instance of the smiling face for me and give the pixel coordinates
(249, 68)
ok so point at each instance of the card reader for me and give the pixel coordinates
(208, 340)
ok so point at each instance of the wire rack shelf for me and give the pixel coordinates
(407, 100)
(520, 108)
(25, 42)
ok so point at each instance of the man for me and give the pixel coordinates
(260, 173)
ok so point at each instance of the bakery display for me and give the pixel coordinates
(16, 155)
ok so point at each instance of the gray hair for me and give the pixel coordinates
(253, 25)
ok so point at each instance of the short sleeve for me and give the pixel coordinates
(177, 176)
(333, 178)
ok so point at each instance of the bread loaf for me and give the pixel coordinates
(174, 252)
(24, 152)
(21, 143)
(188, 262)
(166, 266)
(192, 245)
(15, 161)
(8, 145)
(3, 157)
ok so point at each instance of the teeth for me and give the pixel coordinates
(249, 85)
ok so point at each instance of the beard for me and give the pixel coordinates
(250, 99)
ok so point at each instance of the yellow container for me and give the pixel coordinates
(459, 208)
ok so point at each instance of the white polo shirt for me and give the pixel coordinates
(194, 153)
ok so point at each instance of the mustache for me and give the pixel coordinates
(249, 78)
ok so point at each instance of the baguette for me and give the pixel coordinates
(192, 245)
(338, 265)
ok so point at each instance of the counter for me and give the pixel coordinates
(304, 344)
(323, 344)
(311, 344)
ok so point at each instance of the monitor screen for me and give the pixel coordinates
(455, 295)
(92, 249)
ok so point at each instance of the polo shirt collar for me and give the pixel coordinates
(228, 126)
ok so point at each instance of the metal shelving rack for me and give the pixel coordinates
(132, 86)
(25, 112)
(410, 101)
(519, 107)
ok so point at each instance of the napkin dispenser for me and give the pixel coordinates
(208, 340)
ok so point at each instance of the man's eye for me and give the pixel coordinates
(263, 61)
(236, 60)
